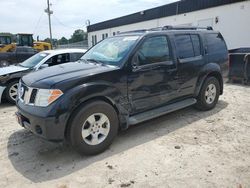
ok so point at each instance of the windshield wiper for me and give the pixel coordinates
(95, 61)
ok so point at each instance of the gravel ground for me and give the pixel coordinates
(187, 148)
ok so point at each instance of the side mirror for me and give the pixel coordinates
(135, 61)
(43, 66)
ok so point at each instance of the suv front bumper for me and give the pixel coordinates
(47, 127)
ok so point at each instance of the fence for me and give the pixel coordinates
(82, 45)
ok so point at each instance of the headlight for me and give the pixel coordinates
(45, 97)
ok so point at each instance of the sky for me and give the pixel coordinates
(28, 16)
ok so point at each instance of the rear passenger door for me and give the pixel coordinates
(190, 59)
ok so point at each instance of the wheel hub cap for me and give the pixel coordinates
(95, 129)
(210, 94)
(13, 91)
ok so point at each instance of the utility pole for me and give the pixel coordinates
(49, 12)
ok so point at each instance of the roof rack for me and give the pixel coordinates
(168, 27)
(133, 31)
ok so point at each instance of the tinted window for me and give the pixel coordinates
(75, 56)
(196, 44)
(215, 44)
(154, 50)
(184, 46)
(58, 59)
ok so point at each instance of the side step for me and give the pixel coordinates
(161, 111)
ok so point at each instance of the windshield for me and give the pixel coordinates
(34, 60)
(111, 51)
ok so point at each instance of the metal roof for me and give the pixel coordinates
(179, 7)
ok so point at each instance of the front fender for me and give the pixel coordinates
(76, 96)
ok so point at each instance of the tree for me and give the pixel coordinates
(78, 36)
(63, 41)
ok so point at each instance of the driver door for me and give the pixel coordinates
(152, 79)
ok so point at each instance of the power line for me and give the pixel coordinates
(38, 22)
(67, 26)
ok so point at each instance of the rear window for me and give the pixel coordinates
(215, 43)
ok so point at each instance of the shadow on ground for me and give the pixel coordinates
(39, 160)
(5, 104)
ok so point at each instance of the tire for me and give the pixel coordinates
(11, 92)
(85, 131)
(4, 64)
(207, 99)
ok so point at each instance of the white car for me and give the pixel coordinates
(9, 76)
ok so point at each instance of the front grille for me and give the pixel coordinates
(27, 94)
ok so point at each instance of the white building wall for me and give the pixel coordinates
(233, 23)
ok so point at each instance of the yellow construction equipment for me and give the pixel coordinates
(41, 46)
(22, 39)
(6, 44)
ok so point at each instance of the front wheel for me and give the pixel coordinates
(93, 128)
(12, 92)
(209, 94)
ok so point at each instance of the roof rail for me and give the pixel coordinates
(170, 27)
(133, 31)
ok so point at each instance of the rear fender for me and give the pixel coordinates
(211, 69)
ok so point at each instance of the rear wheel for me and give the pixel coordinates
(93, 128)
(12, 92)
(209, 94)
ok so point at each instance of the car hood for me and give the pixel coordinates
(11, 69)
(48, 77)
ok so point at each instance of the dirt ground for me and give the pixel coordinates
(187, 148)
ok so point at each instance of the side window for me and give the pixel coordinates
(215, 43)
(154, 50)
(184, 46)
(58, 59)
(196, 44)
(75, 56)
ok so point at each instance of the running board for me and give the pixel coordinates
(160, 111)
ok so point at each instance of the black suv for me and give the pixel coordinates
(122, 81)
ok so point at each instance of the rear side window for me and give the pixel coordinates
(188, 45)
(215, 43)
(196, 44)
(184, 46)
(75, 56)
(154, 50)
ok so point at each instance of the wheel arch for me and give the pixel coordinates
(108, 100)
(202, 79)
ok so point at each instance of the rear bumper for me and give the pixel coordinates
(49, 128)
(1, 92)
